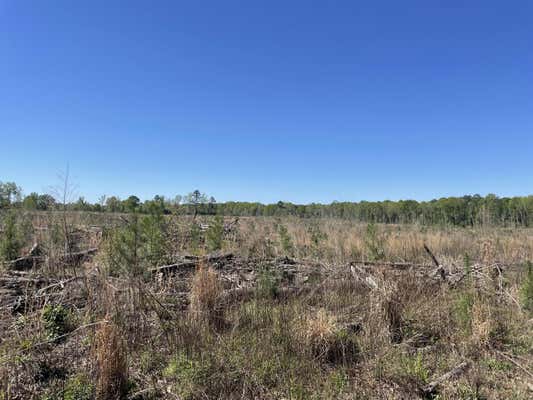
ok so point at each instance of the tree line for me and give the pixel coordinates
(470, 210)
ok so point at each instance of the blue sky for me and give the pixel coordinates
(275, 100)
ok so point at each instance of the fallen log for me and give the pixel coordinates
(60, 284)
(79, 256)
(458, 370)
(30, 260)
(397, 265)
(189, 266)
(216, 258)
(24, 263)
(33, 261)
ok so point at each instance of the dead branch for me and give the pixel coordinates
(361, 276)
(437, 264)
(515, 363)
(189, 266)
(396, 265)
(61, 284)
(458, 370)
(31, 261)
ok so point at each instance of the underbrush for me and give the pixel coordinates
(205, 332)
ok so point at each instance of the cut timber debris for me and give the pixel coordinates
(395, 265)
(362, 276)
(458, 370)
(437, 264)
(190, 265)
(32, 260)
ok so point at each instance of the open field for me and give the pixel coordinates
(113, 306)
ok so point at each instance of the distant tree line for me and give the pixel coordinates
(463, 211)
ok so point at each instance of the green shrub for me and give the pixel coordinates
(267, 284)
(195, 235)
(153, 239)
(317, 239)
(285, 241)
(190, 375)
(297, 391)
(10, 239)
(133, 248)
(374, 243)
(463, 310)
(56, 321)
(123, 249)
(78, 387)
(526, 290)
(338, 382)
(494, 364)
(415, 369)
(151, 362)
(215, 234)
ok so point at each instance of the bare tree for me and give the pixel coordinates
(64, 192)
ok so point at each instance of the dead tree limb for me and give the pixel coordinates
(458, 370)
(363, 277)
(397, 265)
(435, 261)
(172, 268)
(512, 360)
(189, 266)
(31, 261)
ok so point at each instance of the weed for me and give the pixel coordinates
(151, 362)
(56, 320)
(494, 364)
(78, 387)
(195, 237)
(467, 262)
(338, 381)
(189, 374)
(414, 368)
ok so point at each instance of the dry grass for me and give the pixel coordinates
(112, 363)
(205, 297)
(319, 333)
(199, 335)
(344, 241)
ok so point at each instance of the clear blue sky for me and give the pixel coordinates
(275, 100)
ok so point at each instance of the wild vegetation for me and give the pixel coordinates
(159, 304)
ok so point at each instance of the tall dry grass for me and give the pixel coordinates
(112, 362)
(206, 297)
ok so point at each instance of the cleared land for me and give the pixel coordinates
(114, 306)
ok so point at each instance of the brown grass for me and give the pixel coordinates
(205, 297)
(328, 336)
(112, 363)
